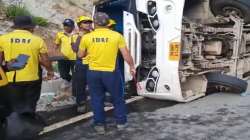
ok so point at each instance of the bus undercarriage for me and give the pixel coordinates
(181, 50)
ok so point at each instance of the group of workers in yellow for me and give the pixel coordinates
(90, 55)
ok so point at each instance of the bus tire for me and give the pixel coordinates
(241, 7)
(233, 84)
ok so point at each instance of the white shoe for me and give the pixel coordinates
(108, 104)
(100, 129)
(121, 127)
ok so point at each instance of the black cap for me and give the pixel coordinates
(23, 22)
(101, 19)
(69, 23)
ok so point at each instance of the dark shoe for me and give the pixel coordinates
(100, 129)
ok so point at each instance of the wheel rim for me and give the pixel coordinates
(233, 11)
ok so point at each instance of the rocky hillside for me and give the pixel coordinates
(55, 11)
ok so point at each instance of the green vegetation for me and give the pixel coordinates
(13, 10)
(40, 21)
(17, 10)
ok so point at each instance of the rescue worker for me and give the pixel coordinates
(102, 46)
(24, 84)
(112, 26)
(5, 109)
(64, 41)
(108, 99)
(79, 81)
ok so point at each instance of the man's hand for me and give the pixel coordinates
(50, 75)
(82, 53)
(133, 71)
(44, 61)
(56, 46)
(80, 33)
(128, 58)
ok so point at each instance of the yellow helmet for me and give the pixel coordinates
(111, 22)
(83, 18)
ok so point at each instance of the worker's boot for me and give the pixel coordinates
(121, 127)
(100, 129)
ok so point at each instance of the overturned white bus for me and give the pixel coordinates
(185, 48)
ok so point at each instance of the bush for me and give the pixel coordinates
(40, 21)
(17, 10)
(13, 10)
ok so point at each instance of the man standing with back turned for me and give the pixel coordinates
(102, 46)
(24, 84)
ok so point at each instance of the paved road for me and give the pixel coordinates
(221, 116)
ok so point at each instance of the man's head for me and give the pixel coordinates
(24, 22)
(101, 19)
(68, 25)
(84, 23)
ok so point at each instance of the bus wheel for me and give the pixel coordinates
(225, 83)
(239, 8)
